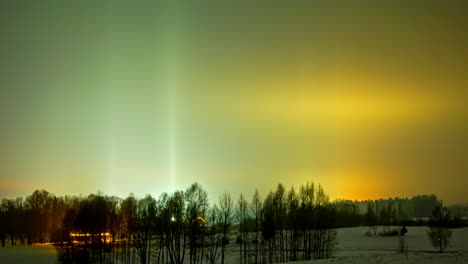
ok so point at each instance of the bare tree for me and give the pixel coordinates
(226, 207)
(439, 233)
(306, 210)
(163, 220)
(324, 233)
(175, 228)
(3, 221)
(292, 224)
(242, 211)
(371, 218)
(197, 204)
(113, 223)
(268, 225)
(146, 213)
(39, 203)
(279, 201)
(129, 220)
(256, 207)
(214, 234)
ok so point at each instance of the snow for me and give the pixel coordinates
(38, 254)
(353, 247)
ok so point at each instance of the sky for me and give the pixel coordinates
(367, 98)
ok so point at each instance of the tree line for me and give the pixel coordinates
(180, 227)
(415, 211)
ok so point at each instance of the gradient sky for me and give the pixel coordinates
(367, 98)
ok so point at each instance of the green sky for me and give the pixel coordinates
(367, 98)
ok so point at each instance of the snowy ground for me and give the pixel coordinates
(353, 247)
(37, 254)
(410, 258)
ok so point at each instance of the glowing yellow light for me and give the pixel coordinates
(199, 219)
(105, 237)
(88, 234)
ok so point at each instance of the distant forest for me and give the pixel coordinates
(286, 225)
(392, 211)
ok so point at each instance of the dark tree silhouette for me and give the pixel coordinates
(146, 215)
(214, 234)
(39, 204)
(128, 225)
(285, 226)
(197, 204)
(439, 233)
(293, 224)
(226, 207)
(371, 218)
(279, 203)
(176, 227)
(3, 221)
(241, 212)
(256, 206)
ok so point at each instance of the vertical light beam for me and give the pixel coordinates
(172, 133)
(171, 87)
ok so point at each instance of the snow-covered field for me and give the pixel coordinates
(37, 254)
(353, 247)
(353, 239)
